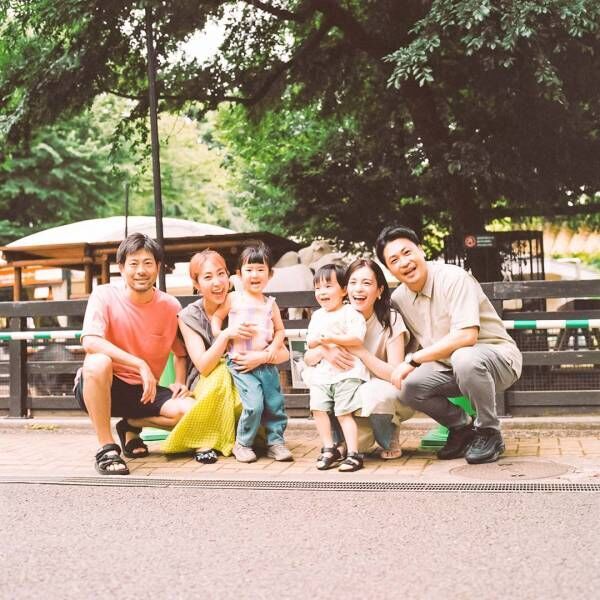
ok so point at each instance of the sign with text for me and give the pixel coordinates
(480, 241)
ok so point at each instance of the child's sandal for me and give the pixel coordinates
(329, 458)
(352, 462)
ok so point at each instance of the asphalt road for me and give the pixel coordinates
(96, 542)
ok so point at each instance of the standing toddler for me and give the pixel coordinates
(331, 389)
(259, 389)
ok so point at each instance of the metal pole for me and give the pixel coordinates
(126, 206)
(155, 143)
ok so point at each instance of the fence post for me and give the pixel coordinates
(17, 354)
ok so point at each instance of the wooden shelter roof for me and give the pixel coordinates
(179, 249)
(95, 258)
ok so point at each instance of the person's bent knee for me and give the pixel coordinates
(175, 408)
(466, 360)
(98, 367)
(411, 393)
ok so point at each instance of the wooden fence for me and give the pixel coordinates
(561, 363)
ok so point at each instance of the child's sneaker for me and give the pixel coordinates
(243, 454)
(279, 452)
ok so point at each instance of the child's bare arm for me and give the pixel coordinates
(341, 340)
(312, 343)
(278, 334)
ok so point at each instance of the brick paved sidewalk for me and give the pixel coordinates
(566, 455)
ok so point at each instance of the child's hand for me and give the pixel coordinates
(325, 338)
(244, 331)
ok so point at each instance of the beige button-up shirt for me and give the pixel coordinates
(452, 299)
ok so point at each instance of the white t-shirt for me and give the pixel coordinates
(343, 321)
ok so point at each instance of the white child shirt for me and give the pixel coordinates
(343, 321)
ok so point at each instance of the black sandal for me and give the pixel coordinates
(329, 458)
(352, 462)
(206, 457)
(123, 427)
(106, 457)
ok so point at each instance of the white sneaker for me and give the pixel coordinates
(279, 452)
(243, 454)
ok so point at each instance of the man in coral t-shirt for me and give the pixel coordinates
(128, 332)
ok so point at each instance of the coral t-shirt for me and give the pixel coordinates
(148, 331)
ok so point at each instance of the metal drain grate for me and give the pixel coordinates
(341, 486)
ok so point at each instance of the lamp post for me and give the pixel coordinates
(158, 212)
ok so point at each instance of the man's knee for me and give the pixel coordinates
(411, 393)
(176, 408)
(466, 361)
(97, 367)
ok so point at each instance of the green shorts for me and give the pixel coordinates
(340, 397)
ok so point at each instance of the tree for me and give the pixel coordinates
(468, 106)
(195, 185)
(64, 174)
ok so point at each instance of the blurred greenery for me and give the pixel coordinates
(76, 169)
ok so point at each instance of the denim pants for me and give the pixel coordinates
(262, 404)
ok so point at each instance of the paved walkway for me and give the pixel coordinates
(543, 450)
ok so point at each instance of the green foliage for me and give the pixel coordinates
(194, 184)
(63, 175)
(306, 175)
(354, 112)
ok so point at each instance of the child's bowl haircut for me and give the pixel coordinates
(259, 254)
(325, 273)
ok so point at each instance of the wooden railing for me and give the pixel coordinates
(561, 367)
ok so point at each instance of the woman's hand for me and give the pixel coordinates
(400, 373)
(359, 351)
(339, 357)
(179, 390)
(271, 353)
(247, 360)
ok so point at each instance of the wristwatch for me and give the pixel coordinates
(409, 360)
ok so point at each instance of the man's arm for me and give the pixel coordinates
(94, 344)
(442, 349)
(178, 387)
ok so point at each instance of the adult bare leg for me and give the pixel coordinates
(170, 414)
(97, 380)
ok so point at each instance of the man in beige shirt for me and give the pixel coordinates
(463, 347)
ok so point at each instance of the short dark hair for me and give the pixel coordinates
(391, 233)
(257, 254)
(135, 242)
(325, 273)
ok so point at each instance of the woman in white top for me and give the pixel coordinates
(382, 350)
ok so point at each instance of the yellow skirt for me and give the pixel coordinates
(211, 421)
